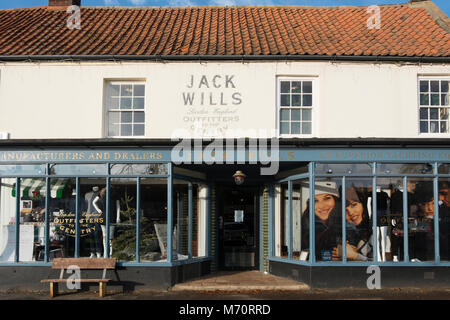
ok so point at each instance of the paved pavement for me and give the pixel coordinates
(240, 281)
(249, 285)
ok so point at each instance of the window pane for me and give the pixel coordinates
(390, 223)
(424, 99)
(296, 87)
(153, 223)
(112, 90)
(434, 85)
(300, 243)
(404, 168)
(180, 222)
(444, 86)
(444, 168)
(445, 99)
(296, 100)
(126, 117)
(285, 100)
(307, 86)
(434, 126)
(126, 130)
(139, 117)
(285, 114)
(423, 126)
(358, 222)
(435, 100)
(62, 218)
(444, 127)
(285, 86)
(348, 168)
(8, 221)
(113, 117)
(138, 103)
(139, 90)
(306, 115)
(93, 222)
(284, 128)
(112, 103)
(295, 127)
(424, 86)
(139, 130)
(306, 128)
(444, 216)
(138, 169)
(125, 103)
(421, 221)
(113, 130)
(77, 169)
(282, 232)
(123, 209)
(424, 113)
(307, 100)
(434, 113)
(328, 226)
(18, 169)
(295, 115)
(126, 90)
(32, 221)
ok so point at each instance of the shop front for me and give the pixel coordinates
(168, 222)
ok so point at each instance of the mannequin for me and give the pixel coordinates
(96, 219)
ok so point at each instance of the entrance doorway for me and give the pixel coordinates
(238, 227)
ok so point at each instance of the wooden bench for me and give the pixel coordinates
(83, 264)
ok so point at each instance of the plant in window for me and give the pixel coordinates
(124, 243)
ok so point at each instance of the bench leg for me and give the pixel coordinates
(53, 289)
(102, 291)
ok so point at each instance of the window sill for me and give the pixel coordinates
(434, 135)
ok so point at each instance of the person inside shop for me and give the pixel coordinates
(327, 220)
(421, 228)
(396, 232)
(444, 220)
(358, 230)
(96, 220)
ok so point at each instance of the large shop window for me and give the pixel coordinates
(344, 228)
(125, 109)
(296, 102)
(39, 210)
(434, 104)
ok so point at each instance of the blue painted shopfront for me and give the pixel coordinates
(341, 165)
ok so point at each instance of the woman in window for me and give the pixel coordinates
(327, 220)
(359, 233)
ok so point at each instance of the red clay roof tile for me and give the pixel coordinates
(193, 31)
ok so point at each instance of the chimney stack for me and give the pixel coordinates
(63, 3)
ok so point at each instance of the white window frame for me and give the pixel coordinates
(431, 134)
(106, 111)
(314, 107)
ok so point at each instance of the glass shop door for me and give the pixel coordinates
(238, 226)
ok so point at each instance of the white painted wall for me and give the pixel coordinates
(65, 100)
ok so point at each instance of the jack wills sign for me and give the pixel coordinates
(211, 103)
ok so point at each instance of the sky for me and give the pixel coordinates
(7, 4)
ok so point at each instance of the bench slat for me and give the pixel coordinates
(81, 280)
(84, 263)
